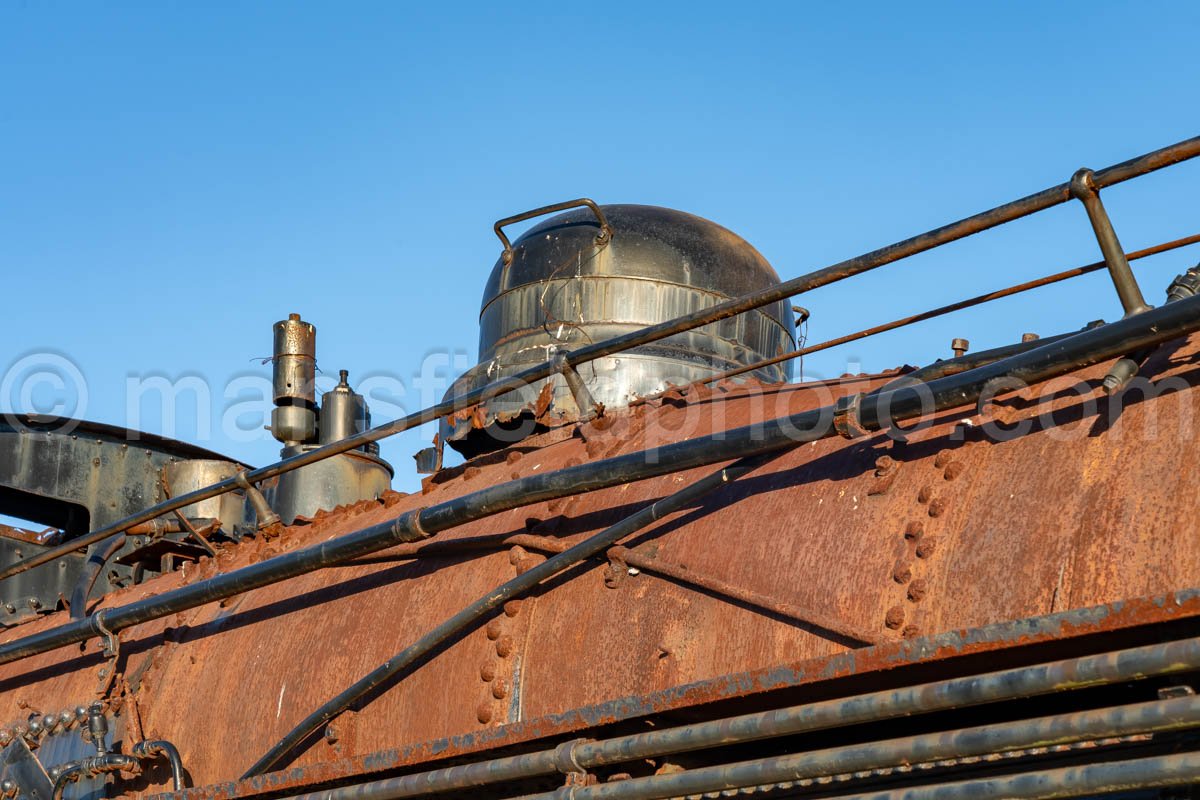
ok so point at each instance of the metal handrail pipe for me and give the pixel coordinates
(1040, 201)
(871, 412)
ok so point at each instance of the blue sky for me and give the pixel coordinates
(176, 177)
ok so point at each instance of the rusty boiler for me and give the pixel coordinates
(663, 570)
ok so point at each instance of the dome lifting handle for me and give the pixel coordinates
(602, 238)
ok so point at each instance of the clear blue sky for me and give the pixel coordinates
(176, 177)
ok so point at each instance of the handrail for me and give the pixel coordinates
(1040, 201)
(979, 299)
(872, 412)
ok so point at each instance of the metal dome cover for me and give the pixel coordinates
(649, 242)
(599, 271)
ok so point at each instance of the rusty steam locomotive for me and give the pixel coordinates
(663, 570)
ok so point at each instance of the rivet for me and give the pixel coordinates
(925, 494)
(488, 672)
(902, 572)
(926, 547)
(504, 646)
(494, 629)
(894, 618)
(914, 529)
(884, 465)
(937, 508)
(512, 608)
(953, 470)
(910, 631)
(499, 689)
(516, 554)
(917, 590)
(484, 713)
(942, 459)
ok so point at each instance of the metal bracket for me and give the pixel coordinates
(112, 650)
(22, 774)
(846, 419)
(587, 405)
(1083, 188)
(267, 520)
(564, 761)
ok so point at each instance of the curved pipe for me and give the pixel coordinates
(151, 748)
(1047, 198)
(874, 412)
(91, 571)
(70, 774)
(90, 767)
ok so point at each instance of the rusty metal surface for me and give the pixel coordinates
(949, 654)
(967, 226)
(947, 531)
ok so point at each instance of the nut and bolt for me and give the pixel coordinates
(960, 347)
